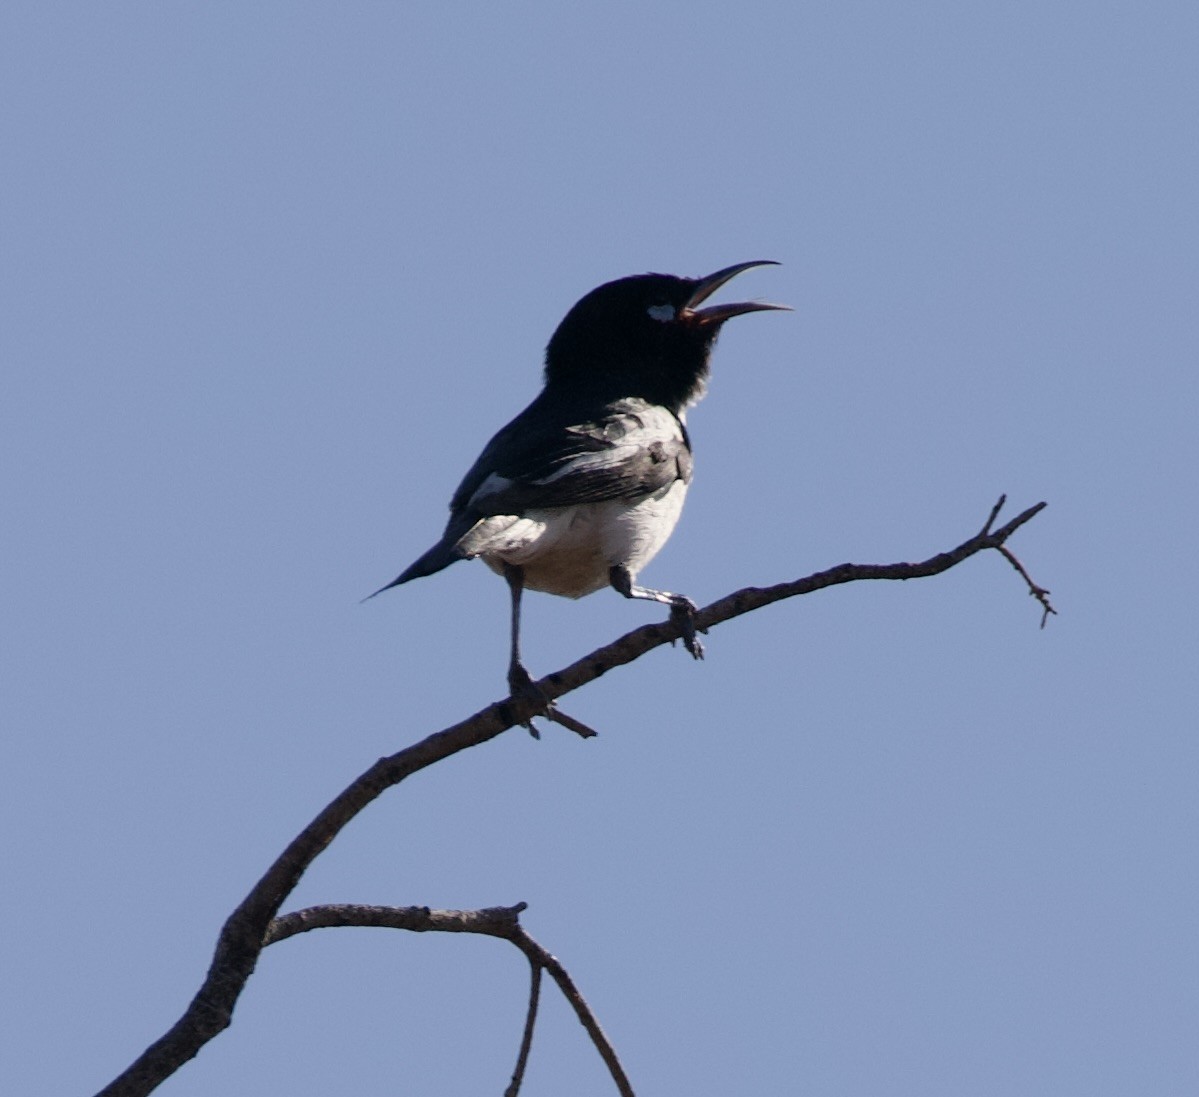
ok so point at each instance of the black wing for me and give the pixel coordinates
(547, 457)
(555, 455)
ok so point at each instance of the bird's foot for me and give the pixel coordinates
(682, 616)
(522, 687)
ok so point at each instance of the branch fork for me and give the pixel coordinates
(254, 925)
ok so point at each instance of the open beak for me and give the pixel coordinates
(718, 314)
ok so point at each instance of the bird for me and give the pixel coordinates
(583, 487)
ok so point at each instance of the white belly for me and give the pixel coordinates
(570, 550)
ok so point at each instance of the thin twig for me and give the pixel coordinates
(557, 716)
(570, 992)
(243, 934)
(1039, 593)
(526, 1041)
(993, 515)
(491, 921)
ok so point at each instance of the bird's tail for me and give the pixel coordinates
(441, 555)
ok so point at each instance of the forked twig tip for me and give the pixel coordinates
(993, 515)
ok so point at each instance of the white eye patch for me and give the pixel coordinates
(662, 313)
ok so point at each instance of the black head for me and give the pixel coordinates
(644, 336)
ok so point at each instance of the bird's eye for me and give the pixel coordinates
(662, 313)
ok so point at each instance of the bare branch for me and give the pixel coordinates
(245, 932)
(492, 921)
(1039, 593)
(993, 515)
(526, 1041)
(559, 974)
(557, 716)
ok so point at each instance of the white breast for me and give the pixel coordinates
(570, 550)
(632, 535)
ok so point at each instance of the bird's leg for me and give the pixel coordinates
(682, 609)
(520, 681)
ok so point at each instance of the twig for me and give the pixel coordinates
(244, 933)
(526, 1041)
(554, 714)
(493, 922)
(538, 955)
(1039, 593)
(993, 515)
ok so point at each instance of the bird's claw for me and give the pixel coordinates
(522, 687)
(682, 616)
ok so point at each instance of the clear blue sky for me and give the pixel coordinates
(271, 275)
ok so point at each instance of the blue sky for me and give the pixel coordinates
(273, 273)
